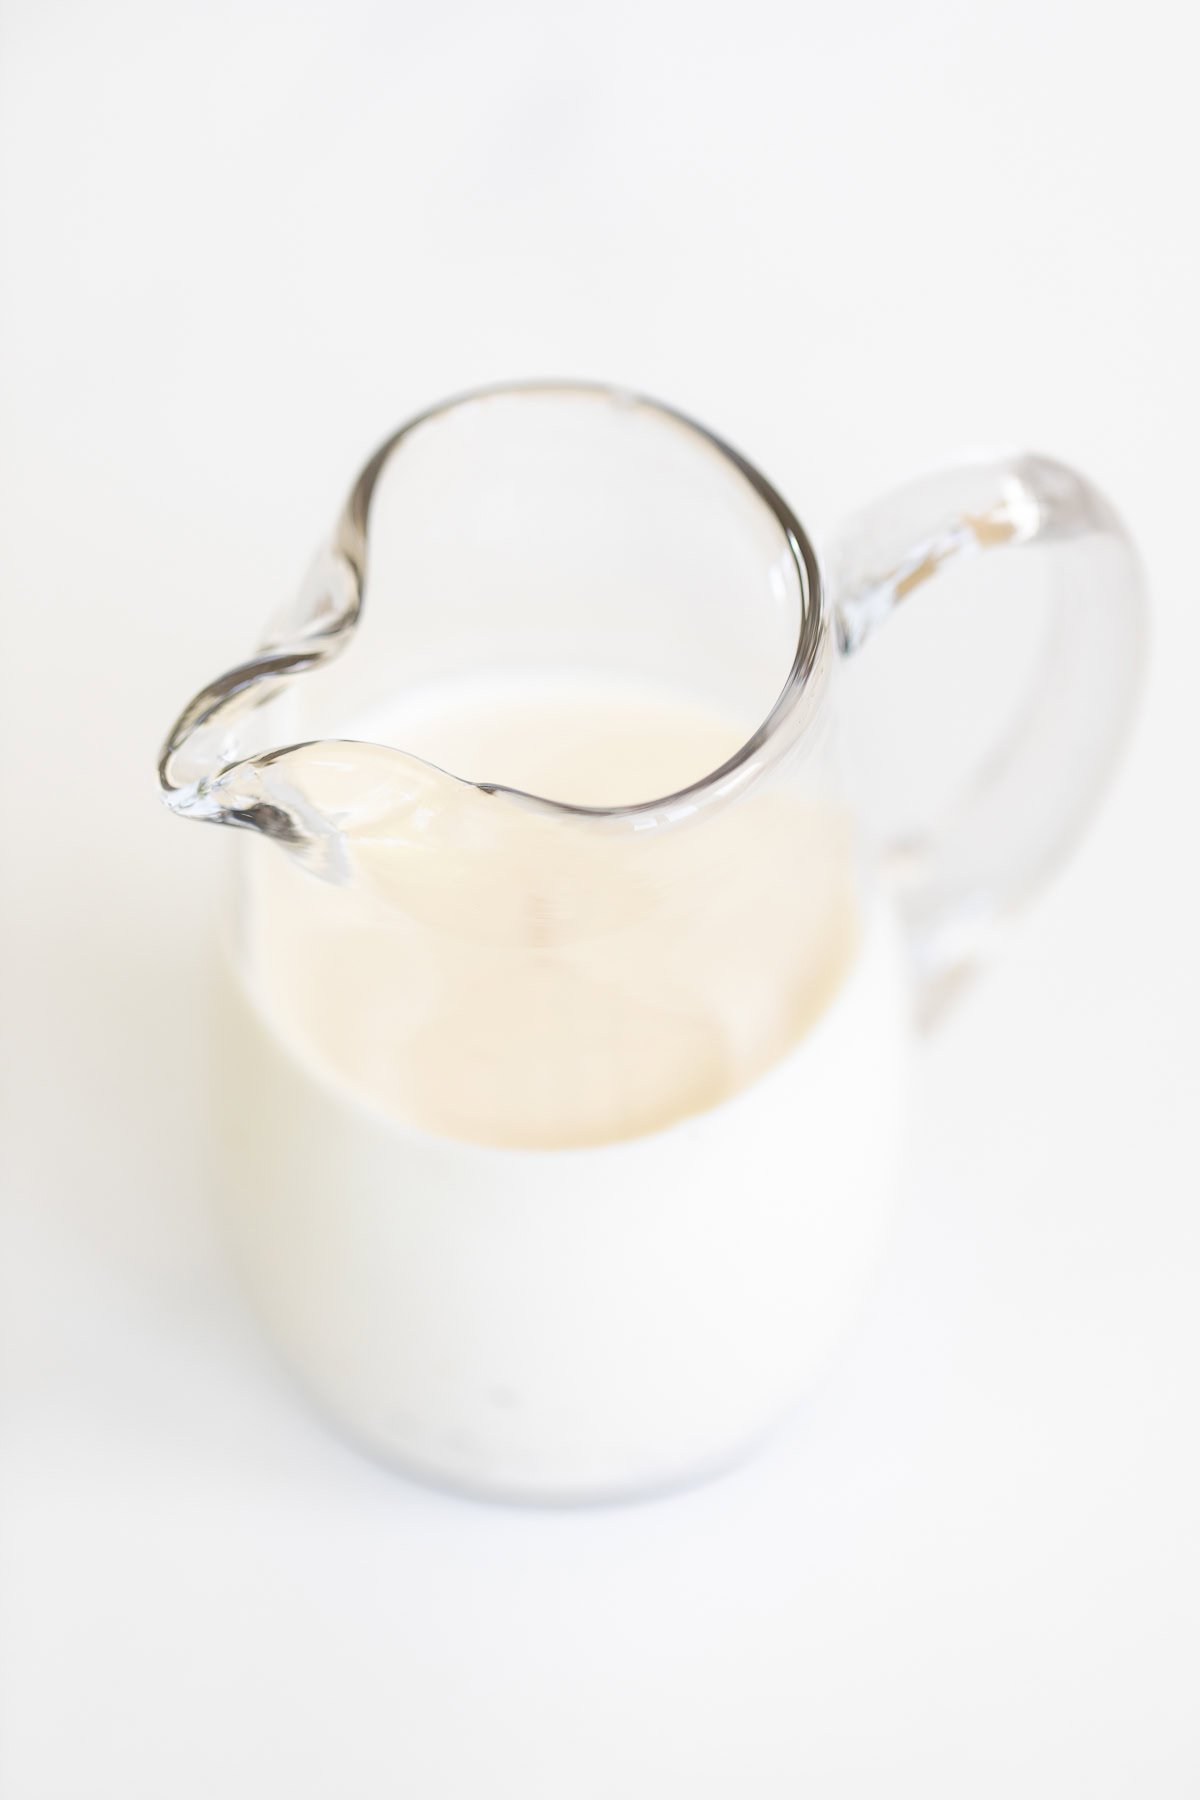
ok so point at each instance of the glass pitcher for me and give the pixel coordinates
(559, 965)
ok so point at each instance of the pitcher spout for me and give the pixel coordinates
(217, 763)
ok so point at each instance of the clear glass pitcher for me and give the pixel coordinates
(560, 964)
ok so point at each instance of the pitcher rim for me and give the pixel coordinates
(350, 545)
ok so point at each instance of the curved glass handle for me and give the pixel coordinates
(1009, 827)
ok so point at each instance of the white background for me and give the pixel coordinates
(239, 244)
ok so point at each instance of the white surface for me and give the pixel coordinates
(243, 242)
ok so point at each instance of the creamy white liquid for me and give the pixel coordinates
(501, 977)
(561, 1150)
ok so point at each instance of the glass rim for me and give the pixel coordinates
(242, 688)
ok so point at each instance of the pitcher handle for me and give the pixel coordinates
(1008, 828)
